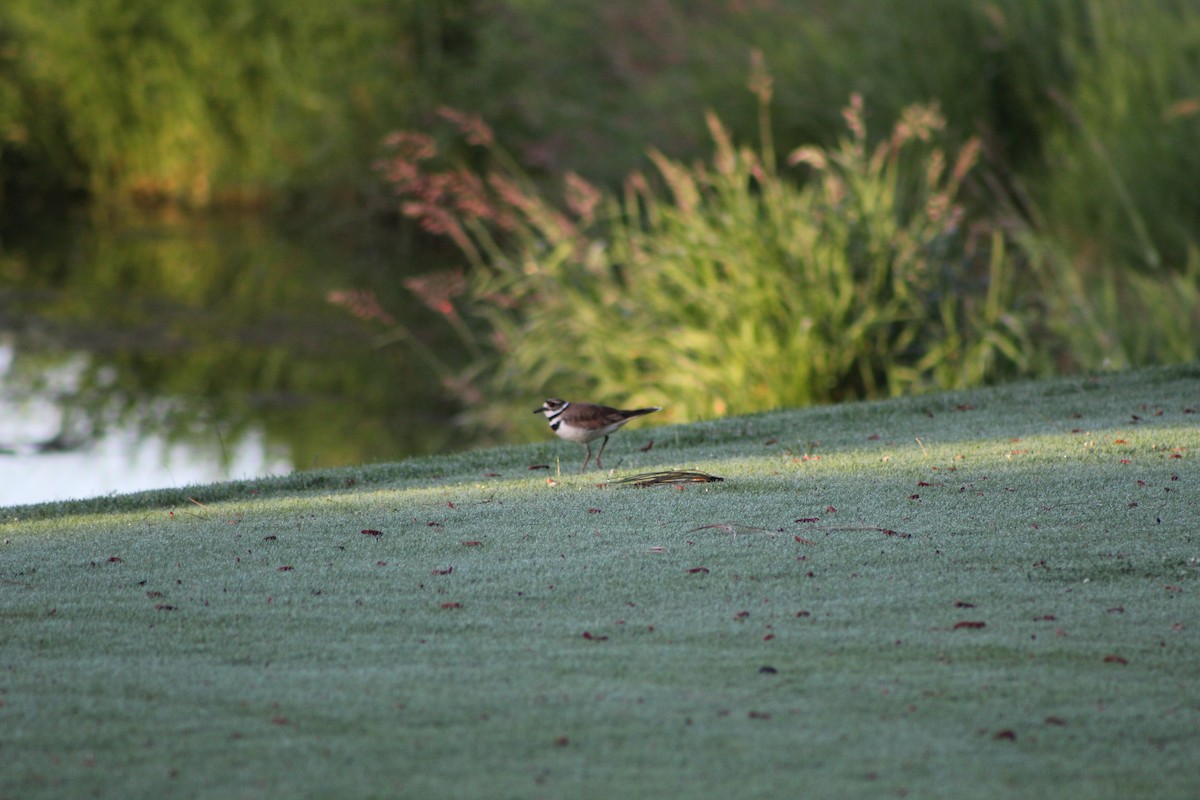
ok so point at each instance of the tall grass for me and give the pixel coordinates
(1112, 218)
(1122, 147)
(732, 286)
(1105, 315)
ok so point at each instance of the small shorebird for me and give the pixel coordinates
(586, 422)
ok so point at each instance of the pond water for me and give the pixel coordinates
(166, 353)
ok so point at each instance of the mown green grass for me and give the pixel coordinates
(1061, 515)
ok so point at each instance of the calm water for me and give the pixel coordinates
(163, 354)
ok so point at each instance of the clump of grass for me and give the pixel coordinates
(731, 286)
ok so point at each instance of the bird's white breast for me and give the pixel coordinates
(582, 435)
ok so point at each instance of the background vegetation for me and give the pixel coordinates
(1071, 245)
(213, 102)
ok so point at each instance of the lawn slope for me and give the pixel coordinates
(978, 594)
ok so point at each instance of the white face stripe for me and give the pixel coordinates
(553, 415)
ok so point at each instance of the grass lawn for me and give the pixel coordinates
(979, 594)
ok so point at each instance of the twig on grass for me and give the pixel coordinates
(671, 477)
(884, 531)
(737, 527)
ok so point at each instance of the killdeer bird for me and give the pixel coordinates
(587, 422)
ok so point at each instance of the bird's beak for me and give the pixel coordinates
(539, 410)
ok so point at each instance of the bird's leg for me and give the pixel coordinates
(586, 458)
(602, 444)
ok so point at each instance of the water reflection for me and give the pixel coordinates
(154, 354)
(46, 453)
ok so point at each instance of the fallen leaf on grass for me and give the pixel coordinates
(451, 605)
(369, 532)
(1115, 659)
(286, 568)
(1006, 735)
(970, 624)
(446, 571)
(694, 570)
(472, 543)
(592, 638)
